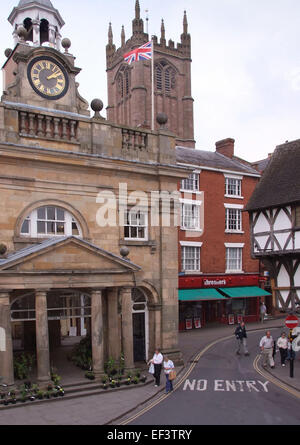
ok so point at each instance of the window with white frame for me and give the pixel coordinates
(190, 258)
(234, 257)
(136, 225)
(233, 217)
(190, 216)
(50, 221)
(233, 186)
(191, 183)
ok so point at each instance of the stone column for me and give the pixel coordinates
(97, 332)
(114, 346)
(6, 349)
(127, 330)
(42, 336)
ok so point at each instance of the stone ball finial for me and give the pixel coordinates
(66, 44)
(3, 249)
(22, 32)
(124, 251)
(97, 106)
(162, 119)
(7, 52)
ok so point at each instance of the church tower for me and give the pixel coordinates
(129, 86)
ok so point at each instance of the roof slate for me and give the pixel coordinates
(280, 182)
(41, 2)
(212, 159)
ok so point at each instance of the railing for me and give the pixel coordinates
(40, 125)
(134, 139)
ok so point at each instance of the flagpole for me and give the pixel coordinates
(152, 84)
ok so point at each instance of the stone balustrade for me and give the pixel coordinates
(40, 125)
(134, 139)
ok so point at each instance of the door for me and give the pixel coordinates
(139, 338)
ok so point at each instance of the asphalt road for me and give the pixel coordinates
(224, 389)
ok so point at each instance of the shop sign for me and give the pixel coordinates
(214, 283)
(197, 322)
(188, 323)
(231, 319)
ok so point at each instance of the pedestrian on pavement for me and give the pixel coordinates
(168, 366)
(263, 311)
(157, 361)
(241, 336)
(282, 344)
(266, 345)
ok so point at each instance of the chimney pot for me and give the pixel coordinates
(225, 147)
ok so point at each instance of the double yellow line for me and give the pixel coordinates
(190, 369)
(274, 380)
(176, 386)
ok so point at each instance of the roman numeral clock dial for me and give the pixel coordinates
(48, 78)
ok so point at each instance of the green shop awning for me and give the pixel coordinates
(244, 292)
(199, 294)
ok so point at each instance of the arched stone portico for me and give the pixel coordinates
(79, 266)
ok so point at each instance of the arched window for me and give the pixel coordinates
(28, 26)
(44, 31)
(165, 77)
(50, 221)
(123, 82)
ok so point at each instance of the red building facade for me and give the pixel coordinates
(218, 279)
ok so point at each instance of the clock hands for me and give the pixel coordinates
(54, 75)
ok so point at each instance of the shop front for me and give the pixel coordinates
(218, 299)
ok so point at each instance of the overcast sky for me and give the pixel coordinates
(245, 70)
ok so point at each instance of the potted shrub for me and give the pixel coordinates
(104, 386)
(48, 394)
(128, 381)
(23, 395)
(143, 378)
(135, 380)
(104, 379)
(112, 383)
(40, 395)
(90, 375)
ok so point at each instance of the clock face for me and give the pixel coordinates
(48, 78)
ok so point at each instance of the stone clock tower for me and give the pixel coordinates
(129, 86)
(36, 72)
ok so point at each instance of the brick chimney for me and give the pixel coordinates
(225, 147)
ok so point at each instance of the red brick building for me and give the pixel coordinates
(218, 279)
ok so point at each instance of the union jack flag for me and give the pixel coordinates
(144, 52)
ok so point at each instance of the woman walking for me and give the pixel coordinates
(168, 366)
(282, 344)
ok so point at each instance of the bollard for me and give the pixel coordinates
(291, 367)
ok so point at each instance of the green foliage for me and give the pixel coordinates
(23, 364)
(81, 355)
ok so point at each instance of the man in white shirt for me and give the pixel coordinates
(157, 362)
(266, 345)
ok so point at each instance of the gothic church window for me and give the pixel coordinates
(123, 82)
(165, 78)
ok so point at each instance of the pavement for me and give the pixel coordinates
(109, 408)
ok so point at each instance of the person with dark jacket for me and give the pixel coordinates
(241, 336)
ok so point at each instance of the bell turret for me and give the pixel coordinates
(41, 21)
